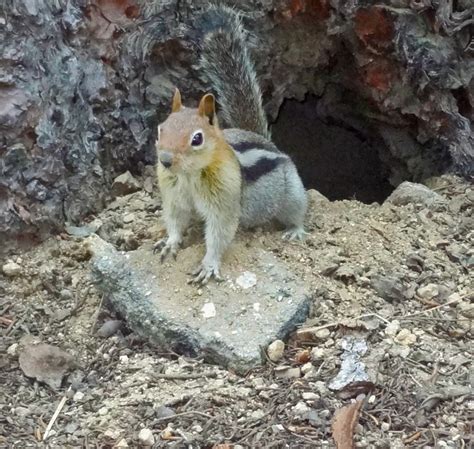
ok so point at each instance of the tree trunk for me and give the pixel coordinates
(84, 83)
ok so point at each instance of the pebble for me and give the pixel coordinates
(103, 411)
(246, 280)
(122, 443)
(310, 396)
(410, 192)
(146, 438)
(300, 409)
(258, 383)
(392, 328)
(128, 218)
(66, 294)
(11, 269)
(208, 310)
(257, 414)
(12, 349)
(164, 412)
(275, 350)
(78, 396)
(317, 354)
(286, 372)
(429, 291)
(405, 338)
(385, 426)
(322, 334)
(307, 367)
(124, 184)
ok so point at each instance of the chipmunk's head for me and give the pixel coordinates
(188, 138)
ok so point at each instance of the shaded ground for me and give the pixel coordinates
(374, 272)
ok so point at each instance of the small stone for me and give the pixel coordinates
(257, 414)
(316, 198)
(307, 367)
(66, 294)
(208, 310)
(164, 412)
(258, 383)
(146, 438)
(286, 372)
(12, 349)
(300, 409)
(124, 184)
(278, 428)
(22, 411)
(429, 291)
(123, 359)
(466, 309)
(413, 193)
(246, 280)
(322, 334)
(275, 350)
(11, 269)
(78, 396)
(310, 396)
(128, 218)
(103, 411)
(109, 328)
(405, 338)
(122, 443)
(392, 328)
(317, 353)
(385, 426)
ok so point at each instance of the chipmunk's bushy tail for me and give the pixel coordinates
(226, 62)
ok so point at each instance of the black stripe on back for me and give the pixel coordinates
(262, 167)
(246, 145)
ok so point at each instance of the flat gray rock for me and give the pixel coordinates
(227, 323)
(411, 192)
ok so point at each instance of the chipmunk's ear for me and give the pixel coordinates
(176, 101)
(207, 107)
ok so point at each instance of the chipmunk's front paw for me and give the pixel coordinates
(204, 272)
(165, 247)
(295, 234)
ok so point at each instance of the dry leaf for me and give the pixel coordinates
(222, 446)
(343, 425)
(45, 363)
(303, 356)
(353, 389)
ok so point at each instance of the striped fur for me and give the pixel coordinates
(225, 60)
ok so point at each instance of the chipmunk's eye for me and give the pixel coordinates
(197, 139)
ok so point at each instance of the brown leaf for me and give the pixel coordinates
(222, 446)
(303, 356)
(45, 363)
(353, 389)
(343, 425)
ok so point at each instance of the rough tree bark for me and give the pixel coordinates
(83, 84)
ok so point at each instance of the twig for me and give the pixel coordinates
(421, 312)
(6, 321)
(178, 376)
(177, 415)
(337, 323)
(413, 438)
(96, 314)
(56, 414)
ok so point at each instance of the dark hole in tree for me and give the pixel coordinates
(331, 156)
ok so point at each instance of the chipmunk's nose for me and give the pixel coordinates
(166, 159)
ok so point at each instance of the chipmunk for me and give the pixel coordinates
(231, 176)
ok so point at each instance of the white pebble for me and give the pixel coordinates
(275, 350)
(146, 437)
